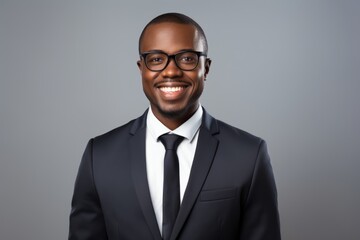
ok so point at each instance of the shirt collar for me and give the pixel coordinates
(187, 130)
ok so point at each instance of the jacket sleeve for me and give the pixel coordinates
(86, 217)
(260, 219)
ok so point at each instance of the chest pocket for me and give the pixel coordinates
(217, 194)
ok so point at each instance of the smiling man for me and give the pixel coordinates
(175, 172)
(173, 66)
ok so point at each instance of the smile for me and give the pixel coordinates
(171, 89)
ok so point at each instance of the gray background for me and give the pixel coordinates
(287, 71)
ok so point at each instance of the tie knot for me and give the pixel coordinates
(171, 141)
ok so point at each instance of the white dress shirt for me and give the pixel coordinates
(155, 153)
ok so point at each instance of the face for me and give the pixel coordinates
(173, 93)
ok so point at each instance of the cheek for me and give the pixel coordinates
(198, 78)
(148, 77)
(200, 73)
(198, 82)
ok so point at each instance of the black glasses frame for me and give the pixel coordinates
(172, 56)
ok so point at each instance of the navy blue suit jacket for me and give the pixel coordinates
(231, 193)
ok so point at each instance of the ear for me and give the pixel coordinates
(139, 64)
(207, 67)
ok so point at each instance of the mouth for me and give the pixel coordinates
(172, 91)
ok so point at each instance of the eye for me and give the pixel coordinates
(187, 58)
(155, 59)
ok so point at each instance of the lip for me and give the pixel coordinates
(171, 90)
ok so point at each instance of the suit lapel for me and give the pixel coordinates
(204, 155)
(139, 175)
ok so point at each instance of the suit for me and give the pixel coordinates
(231, 193)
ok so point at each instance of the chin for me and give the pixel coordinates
(177, 112)
(172, 113)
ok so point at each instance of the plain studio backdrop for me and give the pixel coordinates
(288, 71)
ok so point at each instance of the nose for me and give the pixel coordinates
(171, 70)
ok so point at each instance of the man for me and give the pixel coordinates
(217, 184)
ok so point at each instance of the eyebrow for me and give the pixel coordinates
(158, 50)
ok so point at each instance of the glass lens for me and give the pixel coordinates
(156, 61)
(187, 60)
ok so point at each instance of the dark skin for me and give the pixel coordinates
(173, 93)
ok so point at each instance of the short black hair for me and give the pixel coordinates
(176, 18)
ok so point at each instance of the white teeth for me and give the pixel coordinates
(171, 89)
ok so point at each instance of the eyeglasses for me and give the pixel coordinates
(158, 60)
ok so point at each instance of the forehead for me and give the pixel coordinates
(171, 37)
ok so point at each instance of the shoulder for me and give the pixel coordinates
(231, 138)
(122, 133)
(235, 133)
(229, 134)
(238, 139)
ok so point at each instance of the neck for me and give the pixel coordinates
(174, 120)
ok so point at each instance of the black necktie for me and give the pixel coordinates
(171, 194)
